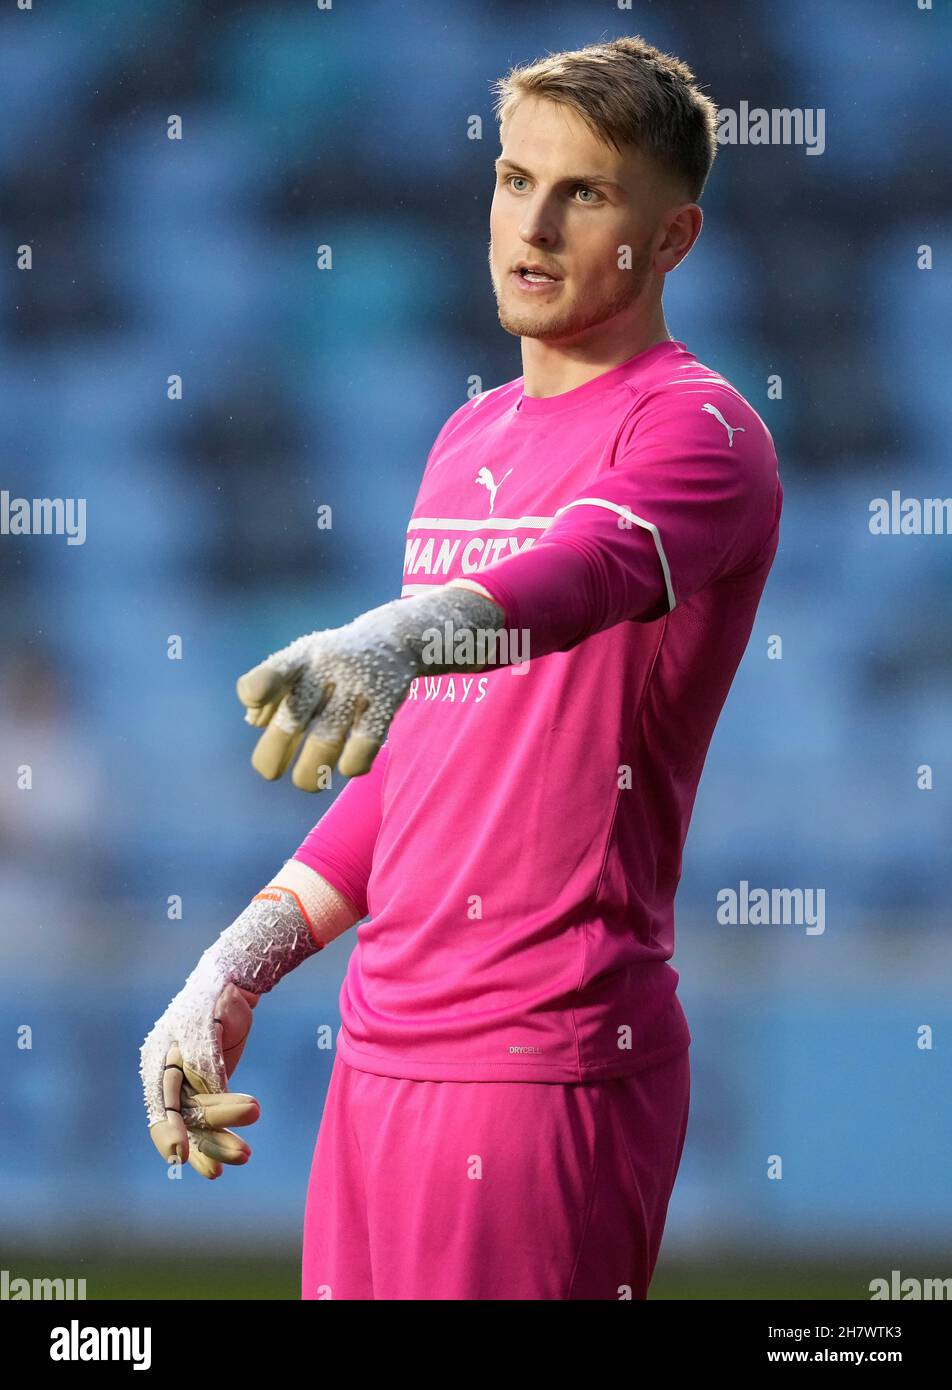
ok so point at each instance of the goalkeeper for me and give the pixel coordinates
(510, 1090)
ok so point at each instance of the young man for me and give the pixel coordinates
(509, 1096)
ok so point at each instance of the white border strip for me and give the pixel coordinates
(639, 521)
(492, 523)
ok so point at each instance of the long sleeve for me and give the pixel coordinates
(340, 847)
(689, 500)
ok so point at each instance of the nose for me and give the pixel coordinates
(538, 225)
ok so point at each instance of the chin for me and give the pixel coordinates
(536, 325)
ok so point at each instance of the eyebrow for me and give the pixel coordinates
(594, 179)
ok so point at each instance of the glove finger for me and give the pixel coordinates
(325, 741)
(358, 755)
(218, 1111)
(221, 1146)
(260, 719)
(170, 1137)
(274, 750)
(280, 740)
(232, 1055)
(204, 1166)
(233, 1012)
(317, 759)
(264, 684)
(368, 734)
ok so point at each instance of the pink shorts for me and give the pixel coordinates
(492, 1190)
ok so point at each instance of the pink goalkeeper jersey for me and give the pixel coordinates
(517, 843)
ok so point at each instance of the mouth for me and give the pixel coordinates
(533, 277)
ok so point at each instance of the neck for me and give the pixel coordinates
(551, 368)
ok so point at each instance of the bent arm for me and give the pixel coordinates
(682, 506)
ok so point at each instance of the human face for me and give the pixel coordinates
(571, 204)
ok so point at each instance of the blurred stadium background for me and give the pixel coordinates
(348, 127)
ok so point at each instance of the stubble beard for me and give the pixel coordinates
(551, 322)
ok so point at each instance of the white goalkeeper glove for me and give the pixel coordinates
(347, 683)
(186, 1060)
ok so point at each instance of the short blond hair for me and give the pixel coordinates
(628, 93)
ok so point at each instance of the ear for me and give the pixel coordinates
(681, 228)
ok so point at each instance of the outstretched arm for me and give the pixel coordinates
(685, 502)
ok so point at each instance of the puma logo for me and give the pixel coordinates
(731, 429)
(488, 481)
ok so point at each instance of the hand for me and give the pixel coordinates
(185, 1070)
(346, 684)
